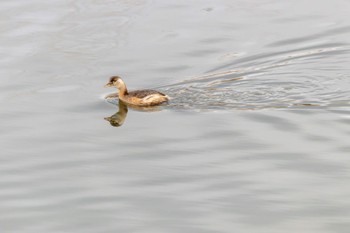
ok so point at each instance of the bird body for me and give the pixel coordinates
(139, 97)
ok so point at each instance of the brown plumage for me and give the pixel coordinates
(138, 98)
(144, 93)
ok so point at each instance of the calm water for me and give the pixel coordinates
(255, 138)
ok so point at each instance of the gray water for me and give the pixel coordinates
(254, 139)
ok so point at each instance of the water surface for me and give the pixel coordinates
(255, 138)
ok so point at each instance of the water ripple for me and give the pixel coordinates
(263, 81)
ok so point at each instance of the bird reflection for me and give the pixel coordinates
(118, 118)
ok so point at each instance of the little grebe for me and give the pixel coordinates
(138, 98)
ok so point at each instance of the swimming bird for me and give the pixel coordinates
(137, 98)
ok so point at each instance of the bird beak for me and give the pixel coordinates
(108, 85)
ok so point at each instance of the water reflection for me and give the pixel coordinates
(118, 118)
